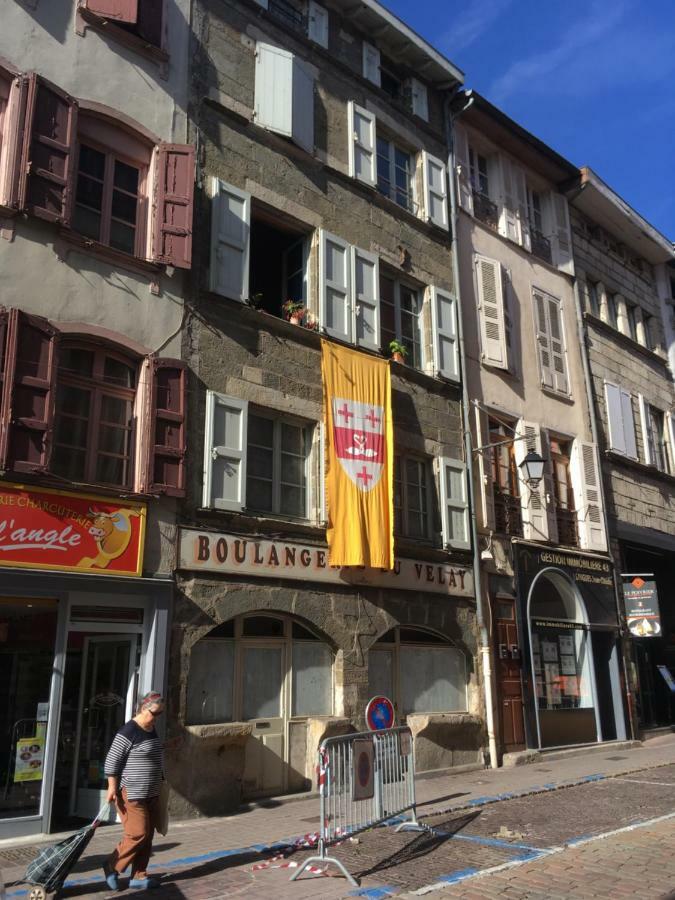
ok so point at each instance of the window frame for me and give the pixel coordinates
(401, 461)
(657, 437)
(477, 178)
(126, 36)
(412, 206)
(400, 284)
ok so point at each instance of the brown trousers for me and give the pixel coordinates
(139, 818)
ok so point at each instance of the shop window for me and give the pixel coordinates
(565, 509)
(401, 318)
(412, 497)
(421, 671)
(505, 482)
(259, 667)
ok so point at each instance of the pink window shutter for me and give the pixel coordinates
(168, 441)
(29, 392)
(119, 10)
(14, 131)
(4, 366)
(48, 158)
(173, 205)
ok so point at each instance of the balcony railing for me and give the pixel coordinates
(485, 210)
(508, 515)
(567, 527)
(541, 246)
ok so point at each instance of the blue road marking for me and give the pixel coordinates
(374, 893)
(460, 875)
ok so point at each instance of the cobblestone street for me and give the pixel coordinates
(603, 826)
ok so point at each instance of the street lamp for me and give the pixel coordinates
(532, 468)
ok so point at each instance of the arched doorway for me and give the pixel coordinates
(565, 691)
(270, 671)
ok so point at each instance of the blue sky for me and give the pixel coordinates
(595, 79)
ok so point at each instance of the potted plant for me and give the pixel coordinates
(293, 311)
(256, 300)
(398, 351)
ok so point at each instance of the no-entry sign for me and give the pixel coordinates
(379, 713)
(363, 776)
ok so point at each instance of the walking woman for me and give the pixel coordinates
(135, 769)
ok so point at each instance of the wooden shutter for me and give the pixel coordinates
(586, 480)
(173, 205)
(520, 191)
(29, 388)
(435, 190)
(454, 504)
(362, 144)
(230, 240)
(317, 28)
(617, 441)
(543, 336)
(119, 10)
(549, 498)
(335, 286)
(628, 424)
(371, 63)
(558, 356)
(46, 183)
(535, 517)
(444, 334)
(225, 452)
(366, 293)
(487, 504)
(302, 115)
(12, 138)
(420, 99)
(462, 170)
(508, 218)
(560, 233)
(492, 312)
(284, 95)
(670, 425)
(4, 374)
(167, 428)
(647, 436)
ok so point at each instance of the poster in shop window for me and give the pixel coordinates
(30, 757)
(566, 642)
(568, 665)
(549, 651)
(641, 602)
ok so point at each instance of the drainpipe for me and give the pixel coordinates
(583, 341)
(485, 652)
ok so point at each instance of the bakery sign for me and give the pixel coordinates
(232, 554)
(42, 528)
(641, 603)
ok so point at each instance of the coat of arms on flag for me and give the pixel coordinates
(359, 457)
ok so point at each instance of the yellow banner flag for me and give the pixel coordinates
(359, 458)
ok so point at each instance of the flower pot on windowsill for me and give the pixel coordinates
(398, 357)
(295, 318)
(398, 351)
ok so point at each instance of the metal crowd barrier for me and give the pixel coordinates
(347, 806)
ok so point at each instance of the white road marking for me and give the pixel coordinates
(669, 784)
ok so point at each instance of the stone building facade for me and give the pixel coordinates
(547, 576)
(96, 181)
(623, 265)
(323, 182)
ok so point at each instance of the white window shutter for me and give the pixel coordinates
(492, 312)
(230, 227)
(454, 504)
(462, 171)
(420, 99)
(225, 452)
(558, 355)
(508, 219)
(520, 189)
(302, 115)
(487, 505)
(549, 498)
(371, 63)
(318, 23)
(435, 190)
(284, 95)
(366, 294)
(543, 338)
(617, 440)
(362, 144)
(645, 424)
(586, 481)
(535, 516)
(335, 287)
(444, 334)
(560, 233)
(670, 424)
(628, 424)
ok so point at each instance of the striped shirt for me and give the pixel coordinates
(137, 758)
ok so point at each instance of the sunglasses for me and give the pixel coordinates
(155, 712)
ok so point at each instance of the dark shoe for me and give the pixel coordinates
(144, 884)
(111, 878)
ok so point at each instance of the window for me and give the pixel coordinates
(656, 439)
(412, 497)
(94, 433)
(478, 168)
(612, 310)
(505, 482)
(288, 12)
(284, 95)
(279, 266)
(141, 18)
(593, 297)
(422, 672)
(400, 310)
(563, 492)
(540, 243)
(107, 198)
(394, 174)
(631, 320)
(277, 453)
(620, 421)
(550, 342)
(648, 334)
(389, 81)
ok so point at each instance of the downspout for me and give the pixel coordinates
(485, 652)
(583, 341)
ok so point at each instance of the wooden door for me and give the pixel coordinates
(508, 667)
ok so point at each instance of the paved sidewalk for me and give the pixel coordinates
(209, 858)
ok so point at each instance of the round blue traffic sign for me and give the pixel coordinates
(379, 713)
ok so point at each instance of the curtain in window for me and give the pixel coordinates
(433, 679)
(312, 679)
(210, 682)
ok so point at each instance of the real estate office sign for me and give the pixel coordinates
(641, 602)
(232, 554)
